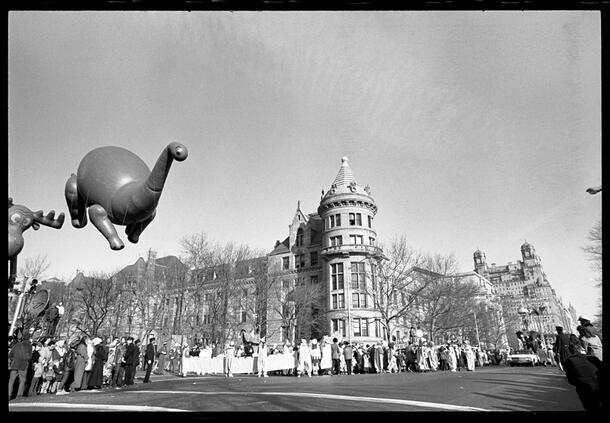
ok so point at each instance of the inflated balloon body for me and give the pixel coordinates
(118, 189)
(21, 218)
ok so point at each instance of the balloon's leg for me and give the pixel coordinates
(76, 204)
(100, 219)
(135, 230)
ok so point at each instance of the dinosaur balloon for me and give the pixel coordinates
(118, 188)
(20, 218)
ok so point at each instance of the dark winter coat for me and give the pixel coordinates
(131, 355)
(97, 371)
(20, 355)
(584, 372)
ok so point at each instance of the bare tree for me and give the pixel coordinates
(593, 251)
(299, 303)
(393, 289)
(35, 267)
(98, 296)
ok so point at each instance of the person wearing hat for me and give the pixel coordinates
(96, 379)
(130, 359)
(79, 364)
(561, 345)
(261, 362)
(585, 321)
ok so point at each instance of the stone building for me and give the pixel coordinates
(327, 258)
(528, 300)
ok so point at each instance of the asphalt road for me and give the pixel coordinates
(495, 388)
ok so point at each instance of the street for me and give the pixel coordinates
(494, 388)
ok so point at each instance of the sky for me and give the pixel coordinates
(474, 130)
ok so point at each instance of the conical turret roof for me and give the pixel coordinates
(345, 183)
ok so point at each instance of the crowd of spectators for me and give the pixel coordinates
(47, 365)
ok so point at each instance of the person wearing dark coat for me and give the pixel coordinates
(96, 379)
(131, 361)
(560, 348)
(19, 357)
(80, 362)
(584, 372)
(149, 358)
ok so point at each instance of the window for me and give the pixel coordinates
(338, 301)
(358, 300)
(339, 326)
(358, 275)
(377, 328)
(285, 263)
(314, 280)
(336, 241)
(356, 239)
(197, 321)
(244, 292)
(286, 284)
(206, 319)
(373, 279)
(299, 239)
(299, 261)
(336, 275)
(355, 219)
(371, 240)
(243, 317)
(360, 327)
(370, 221)
(334, 220)
(313, 257)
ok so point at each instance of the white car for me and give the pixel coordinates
(523, 358)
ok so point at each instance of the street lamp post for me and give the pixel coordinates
(476, 327)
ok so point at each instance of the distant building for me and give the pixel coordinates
(528, 300)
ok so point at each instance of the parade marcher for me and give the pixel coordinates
(432, 357)
(470, 357)
(327, 355)
(130, 359)
(149, 358)
(422, 356)
(79, 364)
(584, 372)
(229, 359)
(96, 378)
(562, 342)
(316, 355)
(262, 358)
(452, 358)
(304, 363)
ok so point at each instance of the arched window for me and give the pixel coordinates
(299, 240)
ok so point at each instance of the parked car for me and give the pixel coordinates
(523, 358)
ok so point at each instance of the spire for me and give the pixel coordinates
(345, 176)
